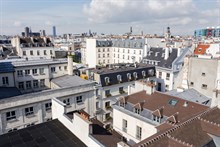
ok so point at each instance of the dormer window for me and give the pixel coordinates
(107, 80)
(143, 73)
(156, 118)
(151, 72)
(119, 78)
(136, 110)
(129, 76)
(135, 75)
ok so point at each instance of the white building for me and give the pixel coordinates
(144, 112)
(113, 82)
(34, 108)
(168, 62)
(33, 47)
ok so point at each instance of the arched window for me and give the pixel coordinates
(119, 78)
(107, 80)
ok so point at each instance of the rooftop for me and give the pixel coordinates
(171, 106)
(157, 55)
(197, 131)
(6, 67)
(70, 81)
(38, 62)
(201, 49)
(52, 133)
(191, 95)
(6, 92)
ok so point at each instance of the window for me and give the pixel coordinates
(140, 52)
(51, 53)
(66, 101)
(160, 74)
(129, 76)
(24, 53)
(138, 132)
(53, 69)
(79, 99)
(12, 130)
(104, 61)
(121, 90)
(108, 61)
(134, 52)
(29, 111)
(5, 81)
(27, 72)
(107, 116)
(34, 71)
(124, 125)
(128, 51)
(107, 80)
(103, 50)
(119, 78)
(60, 68)
(28, 84)
(168, 76)
(107, 55)
(103, 55)
(65, 67)
(35, 84)
(98, 55)
(191, 83)
(42, 83)
(42, 71)
(123, 56)
(19, 73)
(107, 105)
(136, 110)
(38, 53)
(21, 85)
(156, 118)
(10, 115)
(107, 93)
(31, 52)
(203, 74)
(45, 52)
(99, 50)
(204, 86)
(108, 49)
(128, 57)
(144, 73)
(173, 102)
(135, 75)
(48, 106)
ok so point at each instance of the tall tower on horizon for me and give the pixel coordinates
(54, 31)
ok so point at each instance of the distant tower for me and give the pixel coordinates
(26, 32)
(42, 33)
(30, 33)
(131, 30)
(54, 31)
(168, 34)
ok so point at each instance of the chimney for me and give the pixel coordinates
(178, 51)
(70, 64)
(166, 53)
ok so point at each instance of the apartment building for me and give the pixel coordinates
(32, 75)
(29, 109)
(168, 62)
(33, 47)
(113, 81)
(145, 112)
(202, 74)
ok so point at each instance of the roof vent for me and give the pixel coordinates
(185, 104)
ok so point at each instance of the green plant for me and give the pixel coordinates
(108, 95)
(121, 91)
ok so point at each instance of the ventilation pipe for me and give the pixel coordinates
(166, 53)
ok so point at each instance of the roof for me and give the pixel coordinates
(6, 67)
(70, 81)
(157, 54)
(191, 95)
(201, 49)
(123, 70)
(39, 62)
(105, 137)
(193, 132)
(52, 133)
(6, 92)
(159, 100)
(129, 43)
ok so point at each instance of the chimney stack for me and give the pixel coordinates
(70, 64)
(166, 53)
(178, 51)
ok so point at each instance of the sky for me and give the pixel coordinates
(108, 16)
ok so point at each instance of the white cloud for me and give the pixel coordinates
(17, 23)
(105, 11)
(48, 23)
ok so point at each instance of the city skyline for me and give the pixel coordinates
(116, 17)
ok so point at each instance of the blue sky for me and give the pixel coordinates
(108, 16)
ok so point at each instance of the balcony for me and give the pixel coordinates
(108, 107)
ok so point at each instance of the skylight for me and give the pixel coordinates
(173, 102)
